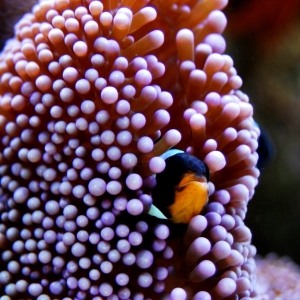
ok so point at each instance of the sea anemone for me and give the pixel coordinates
(92, 93)
(277, 278)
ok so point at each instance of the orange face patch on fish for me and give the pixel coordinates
(191, 196)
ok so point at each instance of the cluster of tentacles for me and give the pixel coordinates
(91, 94)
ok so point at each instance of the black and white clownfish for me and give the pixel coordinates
(181, 190)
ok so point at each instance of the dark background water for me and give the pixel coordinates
(263, 38)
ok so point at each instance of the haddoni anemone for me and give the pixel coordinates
(93, 93)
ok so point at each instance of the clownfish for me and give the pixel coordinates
(181, 190)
